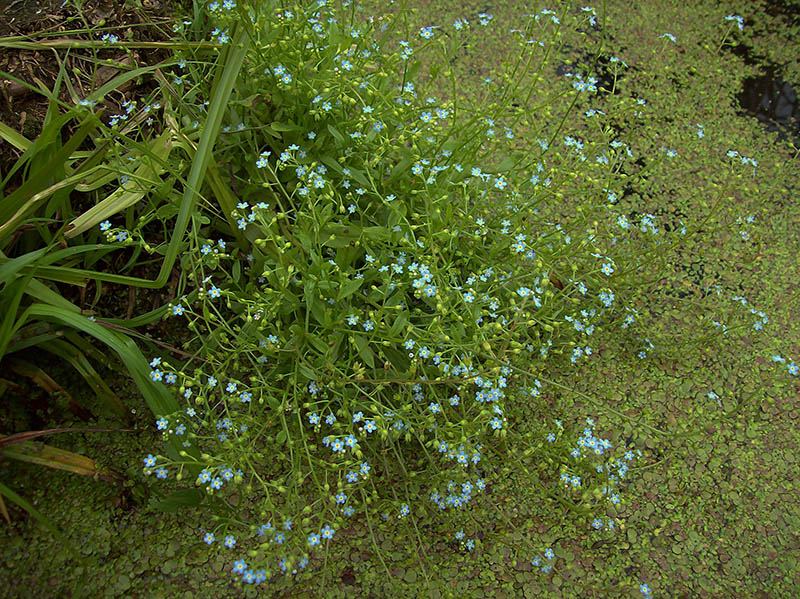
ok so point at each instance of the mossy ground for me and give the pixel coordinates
(712, 510)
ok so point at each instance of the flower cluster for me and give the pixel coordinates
(383, 292)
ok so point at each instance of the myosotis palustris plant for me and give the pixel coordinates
(379, 277)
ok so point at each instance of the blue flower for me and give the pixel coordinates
(208, 538)
(239, 566)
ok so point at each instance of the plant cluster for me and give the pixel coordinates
(397, 269)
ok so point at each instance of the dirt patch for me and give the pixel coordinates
(24, 109)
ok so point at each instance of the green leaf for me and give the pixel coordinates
(336, 135)
(398, 359)
(307, 372)
(283, 127)
(348, 288)
(366, 353)
(11, 297)
(400, 322)
(16, 206)
(179, 500)
(77, 359)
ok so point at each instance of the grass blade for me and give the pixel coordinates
(59, 459)
(70, 353)
(160, 401)
(25, 505)
(20, 142)
(3, 510)
(122, 198)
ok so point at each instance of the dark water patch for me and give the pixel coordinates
(789, 9)
(768, 97)
(773, 102)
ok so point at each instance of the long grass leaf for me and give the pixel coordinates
(23, 43)
(158, 399)
(30, 435)
(70, 353)
(43, 293)
(224, 81)
(11, 266)
(41, 454)
(37, 180)
(10, 298)
(30, 153)
(4, 511)
(23, 341)
(20, 142)
(122, 198)
(25, 505)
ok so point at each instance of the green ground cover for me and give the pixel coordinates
(710, 511)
